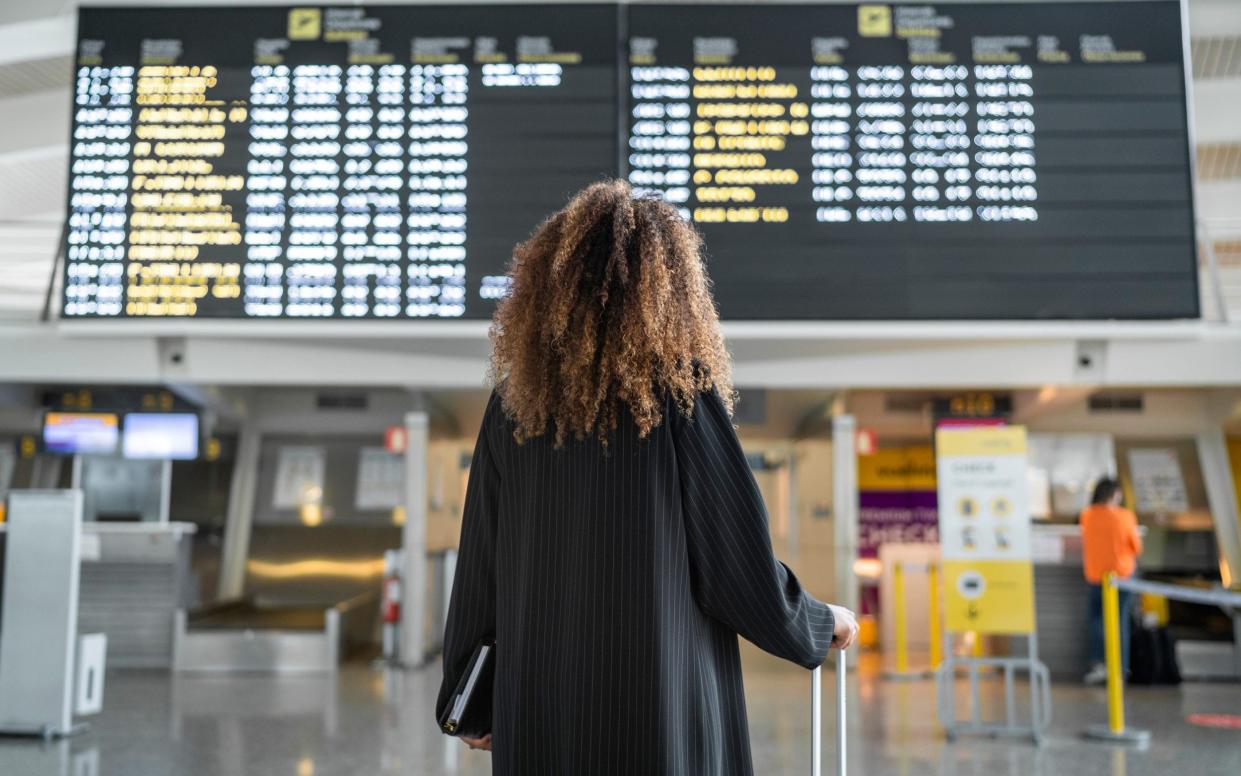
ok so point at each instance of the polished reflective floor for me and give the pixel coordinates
(373, 722)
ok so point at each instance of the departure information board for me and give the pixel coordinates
(844, 162)
(356, 162)
(923, 161)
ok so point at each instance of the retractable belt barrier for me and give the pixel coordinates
(1115, 729)
(900, 619)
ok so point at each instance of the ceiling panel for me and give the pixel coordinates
(1228, 252)
(1218, 57)
(33, 185)
(35, 75)
(1218, 161)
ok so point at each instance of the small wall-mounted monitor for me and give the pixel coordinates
(163, 435)
(71, 433)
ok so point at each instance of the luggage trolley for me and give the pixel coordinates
(816, 717)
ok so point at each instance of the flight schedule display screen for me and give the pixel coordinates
(843, 162)
(923, 161)
(326, 162)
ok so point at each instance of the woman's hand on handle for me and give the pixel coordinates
(845, 631)
(478, 743)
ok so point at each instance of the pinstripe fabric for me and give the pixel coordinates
(615, 583)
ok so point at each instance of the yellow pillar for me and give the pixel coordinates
(932, 613)
(1115, 729)
(898, 614)
(1111, 642)
(975, 641)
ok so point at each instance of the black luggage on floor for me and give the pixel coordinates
(1152, 655)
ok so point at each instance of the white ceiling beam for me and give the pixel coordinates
(37, 39)
(1219, 207)
(1214, 18)
(43, 354)
(773, 338)
(1217, 110)
(44, 123)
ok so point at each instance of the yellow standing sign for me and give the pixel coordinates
(984, 529)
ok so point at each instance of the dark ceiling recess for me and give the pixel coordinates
(751, 407)
(913, 404)
(113, 398)
(342, 401)
(1116, 402)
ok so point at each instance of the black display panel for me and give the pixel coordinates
(930, 161)
(844, 162)
(311, 162)
(923, 162)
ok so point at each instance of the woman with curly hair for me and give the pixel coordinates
(614, 542)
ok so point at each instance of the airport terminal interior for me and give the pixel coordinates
(971, 259)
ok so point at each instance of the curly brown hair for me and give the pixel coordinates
(609, 304)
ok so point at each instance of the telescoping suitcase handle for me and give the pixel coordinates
(816, 717)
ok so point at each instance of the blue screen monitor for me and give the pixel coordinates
(161, 435)
(71, 433)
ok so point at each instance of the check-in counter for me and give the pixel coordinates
(1060, 599)
(1061, 592)
(134, 577)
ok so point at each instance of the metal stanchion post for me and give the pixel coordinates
(932, 613)
(1111, 640)
(900, 629)
(1115, 729)
(975, 644)
(902, 637)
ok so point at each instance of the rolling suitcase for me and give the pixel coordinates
(816, 717)
(1152, 655)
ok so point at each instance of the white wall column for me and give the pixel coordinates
(1221, 497)
(240, 518)
(414, 542)
(844, 509)
(39, 632)
(791, 507)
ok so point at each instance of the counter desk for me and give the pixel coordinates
(1060, 598)
(134, 578)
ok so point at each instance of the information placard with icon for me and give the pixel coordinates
(984, 526)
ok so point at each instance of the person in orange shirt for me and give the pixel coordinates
(1110, 543)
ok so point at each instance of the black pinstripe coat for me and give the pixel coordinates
(614, 584)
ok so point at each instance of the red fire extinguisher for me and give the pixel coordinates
(390, 605)
(391, 609)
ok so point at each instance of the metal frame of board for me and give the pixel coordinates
(1040, 693)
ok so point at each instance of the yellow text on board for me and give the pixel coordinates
(897, 468)
(1002, 440)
